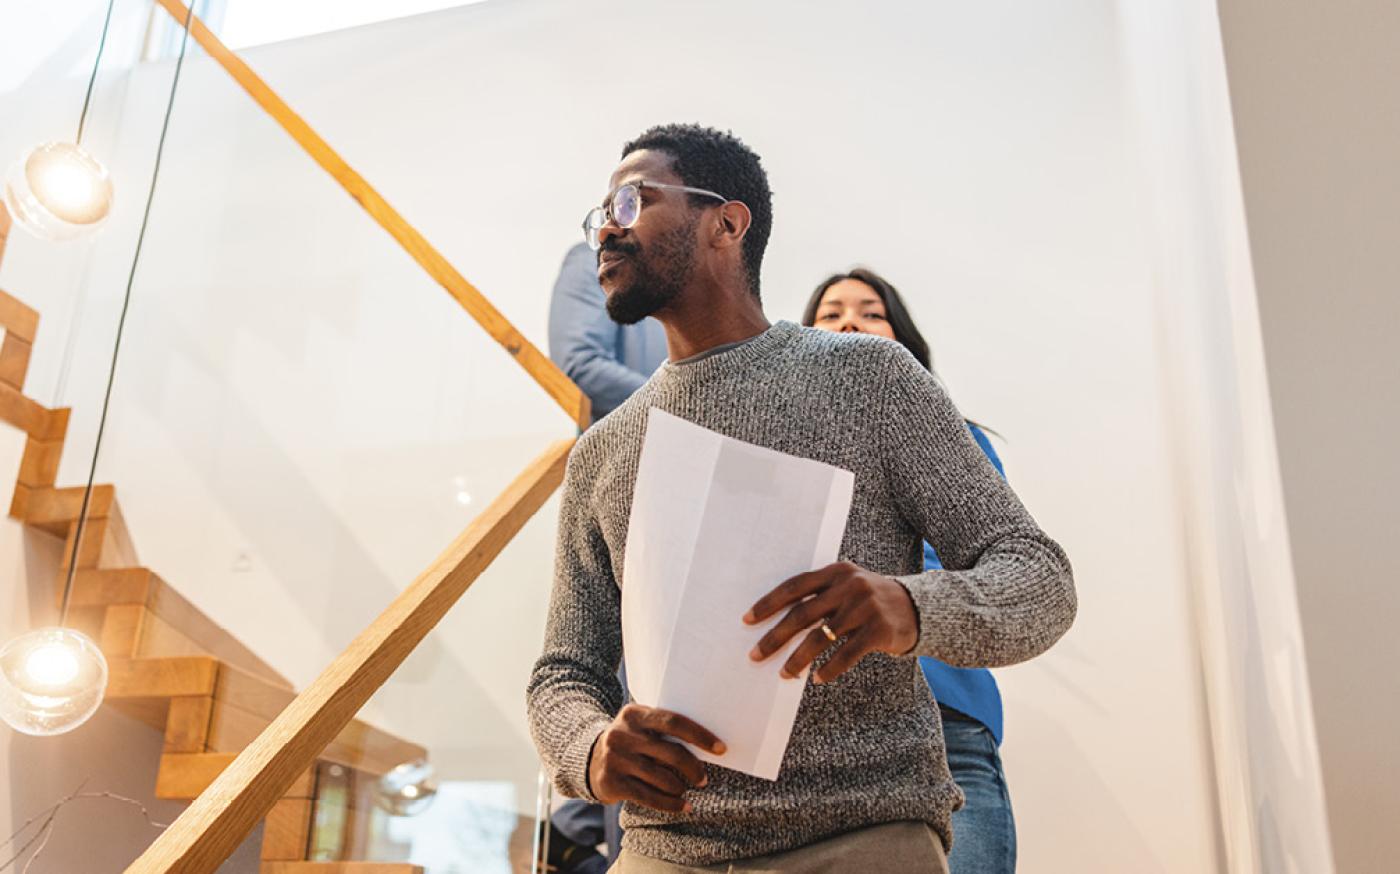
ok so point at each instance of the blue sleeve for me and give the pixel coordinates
(986, 444)
(583, 340)
(931, 562)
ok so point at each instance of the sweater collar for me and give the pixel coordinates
(732, 356)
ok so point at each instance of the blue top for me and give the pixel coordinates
(608, 361)
(972, 691)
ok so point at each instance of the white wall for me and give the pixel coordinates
(1314, 92)
(1235, 535)
(296, 399)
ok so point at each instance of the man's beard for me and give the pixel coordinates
(656, 280)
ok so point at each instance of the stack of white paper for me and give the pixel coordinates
(716, 524)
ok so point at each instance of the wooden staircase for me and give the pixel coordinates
(170, 665)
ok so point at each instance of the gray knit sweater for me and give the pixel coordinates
(867, 748)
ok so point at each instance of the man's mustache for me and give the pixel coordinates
(613, 245)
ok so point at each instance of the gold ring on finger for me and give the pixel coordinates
(830, 635)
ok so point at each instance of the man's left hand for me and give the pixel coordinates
(872, 612)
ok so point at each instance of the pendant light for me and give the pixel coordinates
(58, 190)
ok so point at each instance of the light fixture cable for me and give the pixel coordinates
(78, 141)
(121, 321)
(97, 62)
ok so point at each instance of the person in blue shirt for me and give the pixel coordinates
(984, 830)
(608, 361)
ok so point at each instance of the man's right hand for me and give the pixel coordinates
(633, 759)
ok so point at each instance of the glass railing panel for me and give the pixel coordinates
(466, 795)
(85, 799)
(301, 420)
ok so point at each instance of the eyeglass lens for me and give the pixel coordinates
(592, 224)
(626, 206)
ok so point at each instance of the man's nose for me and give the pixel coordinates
(609, 229)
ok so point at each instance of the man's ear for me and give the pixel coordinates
(733, 224)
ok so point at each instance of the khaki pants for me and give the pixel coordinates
(892, 848)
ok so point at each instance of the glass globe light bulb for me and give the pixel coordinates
(58, 191)
(407, 790)
(51, 681)
(52, 664)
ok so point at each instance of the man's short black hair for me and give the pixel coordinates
(718, 161)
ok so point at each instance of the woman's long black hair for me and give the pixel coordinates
(895, 311)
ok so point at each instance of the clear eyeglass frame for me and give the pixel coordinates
(615, 207)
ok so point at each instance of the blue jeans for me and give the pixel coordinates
(589, 824)
(984, 831)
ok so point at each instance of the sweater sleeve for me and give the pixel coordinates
(574, 691)
(1006, 591)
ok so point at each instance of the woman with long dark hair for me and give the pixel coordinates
(984, 830)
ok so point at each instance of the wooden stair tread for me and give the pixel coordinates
(16, 316)
(14, 360)
(183, 776)
(25, 413)
(112, 587)
(104, 588)
(161, 677)
(55, 509)
(38, 468)
(244, 705)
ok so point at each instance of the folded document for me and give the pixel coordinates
(716, 524)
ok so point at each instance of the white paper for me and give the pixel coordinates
(716, 524)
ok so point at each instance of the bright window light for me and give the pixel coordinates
(256, 22)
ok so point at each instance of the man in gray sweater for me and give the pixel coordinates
(864, 784)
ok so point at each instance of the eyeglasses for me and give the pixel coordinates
(624, 206)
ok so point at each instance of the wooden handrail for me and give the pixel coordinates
(550, 377)
(223, 815)
(5, 223)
